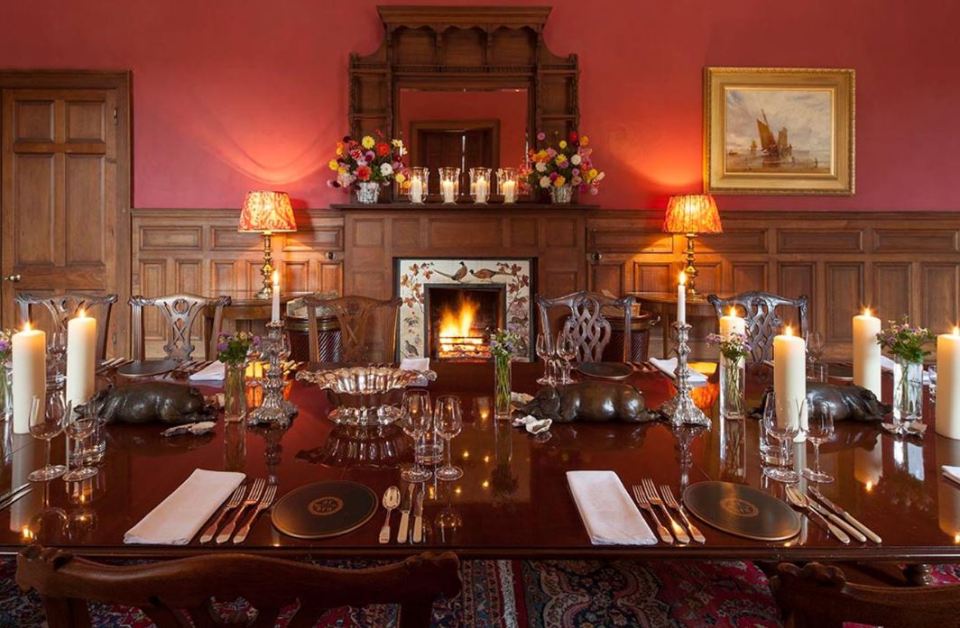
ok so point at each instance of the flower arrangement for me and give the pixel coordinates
(505, 344)
(567, 162)
(733, 347)
(905, 341)
(369, 159)
(233, 349)
(6, 345)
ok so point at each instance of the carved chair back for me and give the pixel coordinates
(178, 592)
(818, 596)
(179, 313)
(368, 327)
(62, 307)
(762, 312)
(585, 322)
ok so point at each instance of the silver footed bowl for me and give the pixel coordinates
(365, 395)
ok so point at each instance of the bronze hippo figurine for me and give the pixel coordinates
(589, 401)
(144, 402)
(846, 403)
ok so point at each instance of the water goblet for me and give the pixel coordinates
(57, 350)
(815, 347)
(783, 431)
(47, 426)
(415, 419)
(819, 431)
(448, 420)
(79, 427)
(566, 351)
(545, 353)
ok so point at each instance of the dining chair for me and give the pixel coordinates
(818, 595)
(586, 323)
(179, 312)
(368, 327)
(762, 312)
(178, 592)
(62, 307)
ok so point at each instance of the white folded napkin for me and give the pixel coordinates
(669, 368)
(952, 473)
(608, 513)
(214, 372)
(178, 518)
(888, 364)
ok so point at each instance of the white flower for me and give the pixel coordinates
(541, 166)
(575, 160)
(544, 182)
(386, 169)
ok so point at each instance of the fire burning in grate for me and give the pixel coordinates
(457, 337)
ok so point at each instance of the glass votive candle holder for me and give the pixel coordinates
(508, 184)
(449, 184)
(480, 184)
(418, 184)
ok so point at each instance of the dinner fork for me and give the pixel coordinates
(266, 502)
(256, 491)
(651, 490)
(235, 499)
(673, 503)
(644, 503)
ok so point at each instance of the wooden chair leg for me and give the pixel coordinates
(66, 613)
(919, 575)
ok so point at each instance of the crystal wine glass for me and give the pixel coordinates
(783, 431)
(415, 419)
(815, 347)
(57, 350)
(47, 426)
(79, 426)
(545, 353)
(819, 431)
(566, 351)
(448, 421)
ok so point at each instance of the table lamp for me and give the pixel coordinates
(692, 215)
(267, 213)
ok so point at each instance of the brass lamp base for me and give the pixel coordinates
(691, 270)
(267, 269)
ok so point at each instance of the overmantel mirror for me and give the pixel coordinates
(464, 86)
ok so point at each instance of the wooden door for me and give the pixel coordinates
(60, 194)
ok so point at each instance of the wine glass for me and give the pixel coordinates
(819, 431)
(566, 351)
(783, 431)
(47, 426)
(448, 420)
(415, 420)
(79, 427)
(815, 346)
(57, 350)
(545, 353)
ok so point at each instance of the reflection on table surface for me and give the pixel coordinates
(513, 499)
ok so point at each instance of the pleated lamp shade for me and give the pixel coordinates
(692, 214)
(265, 211)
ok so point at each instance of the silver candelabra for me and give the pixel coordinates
(274, 410)
(681, 410)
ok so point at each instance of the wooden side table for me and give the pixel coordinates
(665, 304)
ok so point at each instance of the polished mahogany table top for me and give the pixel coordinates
(513, 500)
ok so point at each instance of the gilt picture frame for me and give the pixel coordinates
(779, 131)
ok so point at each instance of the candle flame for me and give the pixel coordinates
(683, 279)
(867, 312)
(788, 331)
(26, 326)
(732, 312)
(82, 313)
(868, 486)
(276, 277)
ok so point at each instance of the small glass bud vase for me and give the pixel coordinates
(234, 393)
(449, 184)
(561, 195)
(6, 391)
(732, 387)
(418, 184)
(907, 391)
(508, 184)
(503, 383)
(367, 192)
(480, 184)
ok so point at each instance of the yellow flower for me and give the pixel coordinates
(541, 156)
(561, 159)
(334, 165)
(563, 143)
(559, 181)
(584, 140)
(592, 174)
(400, 178)
(341, 170)
(368, 142)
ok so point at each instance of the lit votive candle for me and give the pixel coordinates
(732, 323)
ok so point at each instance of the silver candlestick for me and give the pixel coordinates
(681, 410)
(274, 410)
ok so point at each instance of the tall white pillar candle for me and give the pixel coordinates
(275, 309)
(866, 352)
(509, 191)
(682, 299)
(29, 375)
(948, 384)
(416, 190)
(732, 324)
(81, 357)
(790, 379)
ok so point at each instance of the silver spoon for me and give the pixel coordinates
(391, 500)
(800, 500)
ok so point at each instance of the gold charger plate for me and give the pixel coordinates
(742, 510)
(324, 509)
(147, 368)
(606, 370)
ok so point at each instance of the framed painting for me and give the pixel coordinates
(779, 131)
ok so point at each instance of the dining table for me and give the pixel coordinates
(513, 500)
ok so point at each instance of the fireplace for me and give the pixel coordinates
(449, 306)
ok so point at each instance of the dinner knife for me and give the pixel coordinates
(10, 493)
(12, 499)
(418, 519)
(837, 521)
(405, 515)
(870, 534)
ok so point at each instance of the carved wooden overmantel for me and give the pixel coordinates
(443, 47)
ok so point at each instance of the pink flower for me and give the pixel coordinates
(541, 136)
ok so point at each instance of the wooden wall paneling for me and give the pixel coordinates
(892, 290)
(747, 276)
(939, 296)
(843, 294)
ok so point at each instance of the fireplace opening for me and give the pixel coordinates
(460, 318)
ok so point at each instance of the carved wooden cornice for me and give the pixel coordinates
(440, 18)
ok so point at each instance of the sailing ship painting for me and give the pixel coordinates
(778, 131)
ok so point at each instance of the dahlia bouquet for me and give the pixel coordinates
(369, 159)
(565, 163)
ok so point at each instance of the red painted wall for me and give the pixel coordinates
(237, 94)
